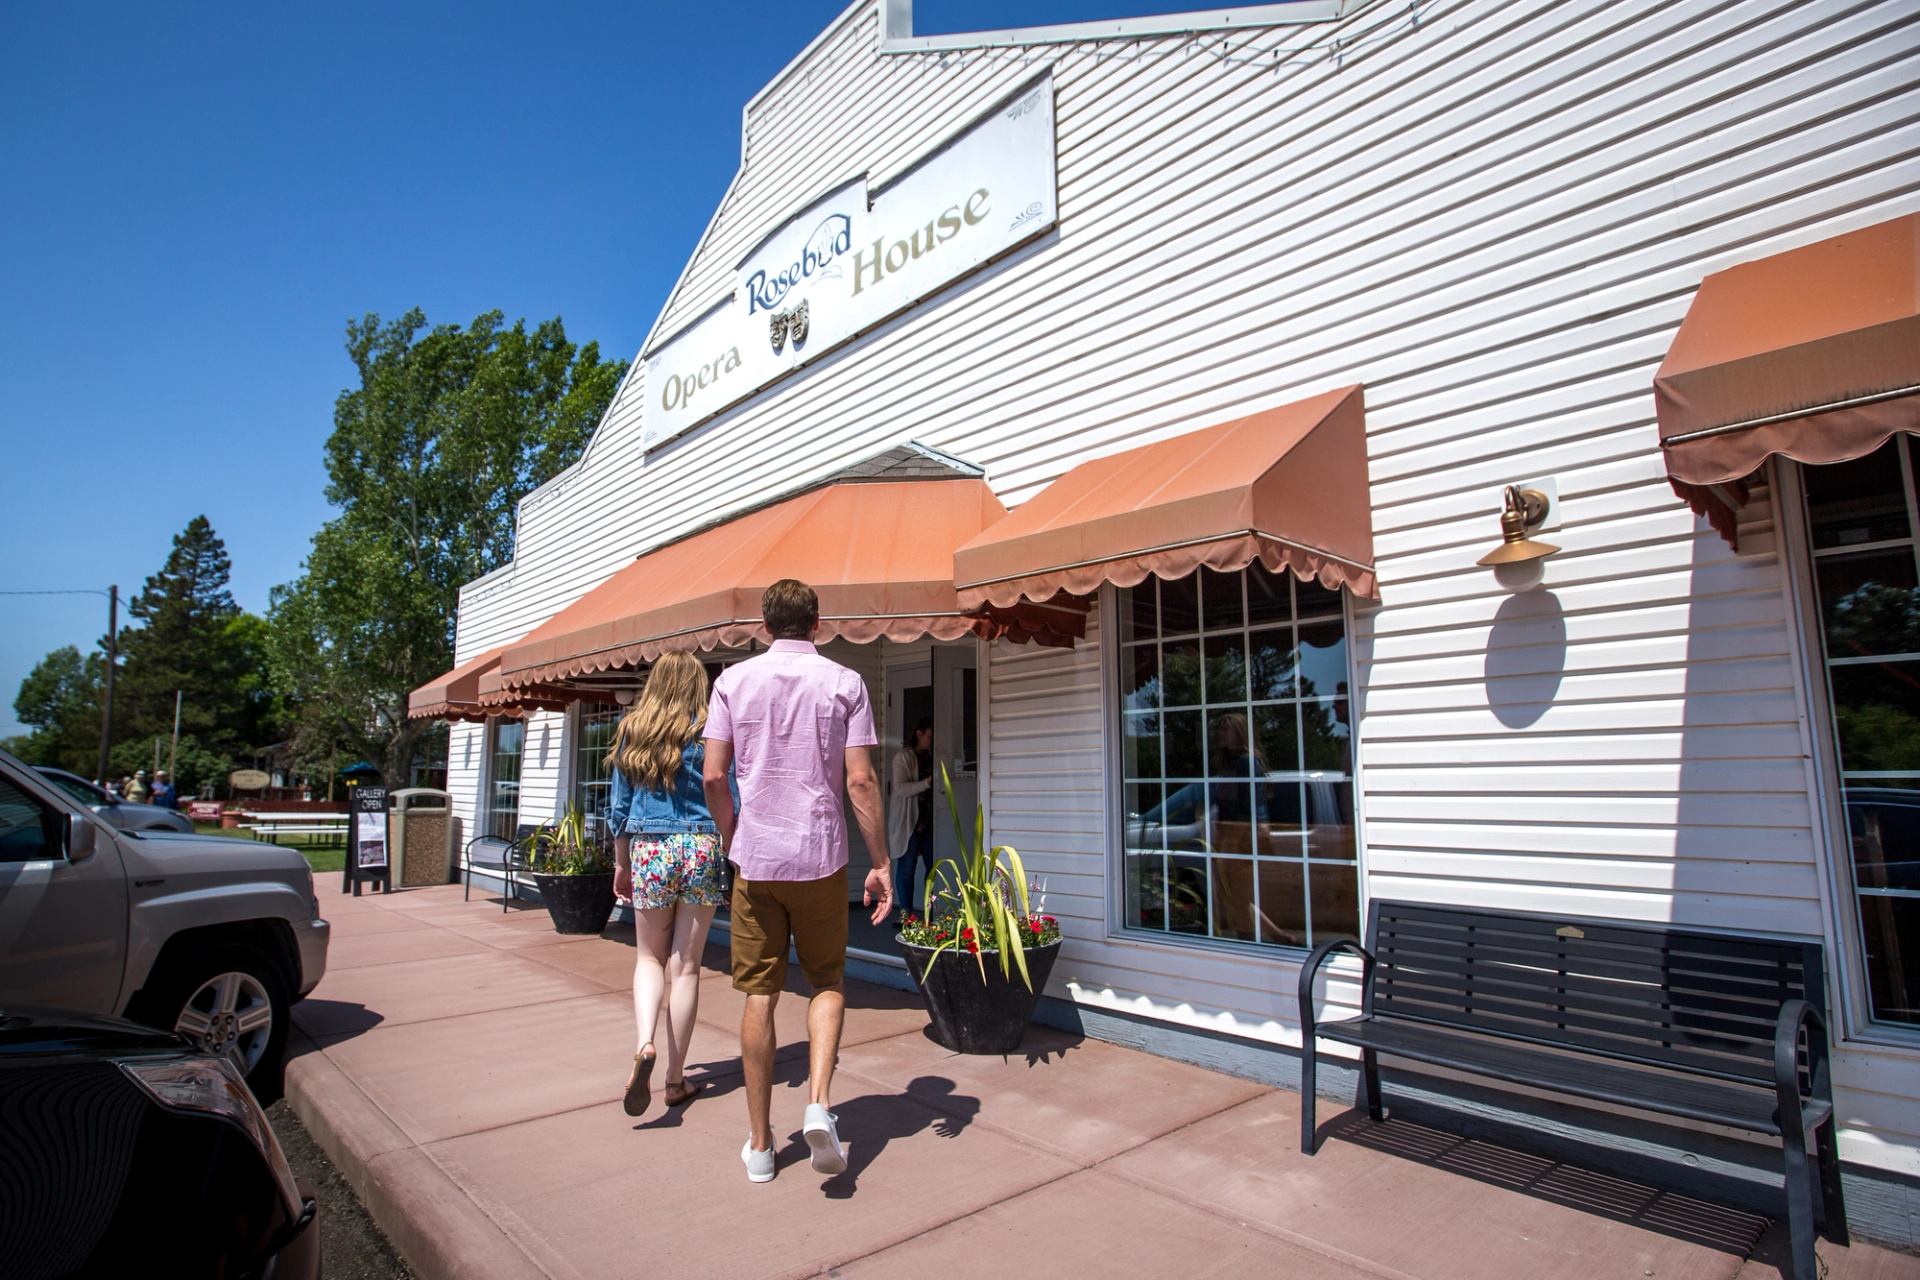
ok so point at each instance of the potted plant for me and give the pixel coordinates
(574, 875)
(978, 951)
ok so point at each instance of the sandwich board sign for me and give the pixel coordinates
(367, 841)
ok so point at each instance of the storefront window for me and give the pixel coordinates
(1236, 760)
(1861, 517)
(592, 776)
(509, 740)
(429, 767)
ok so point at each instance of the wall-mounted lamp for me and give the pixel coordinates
(624, 697)
(1526, 509)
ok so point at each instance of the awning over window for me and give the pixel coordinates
(1286, 487)
(455, 695)
(1813, 353)
(879, 553)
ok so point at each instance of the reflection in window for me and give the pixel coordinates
(592, 775)
(503, 786)
(1236, 760)
(1860, 516)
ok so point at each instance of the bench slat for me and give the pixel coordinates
(1637, 1017)
(1734, 1105)
(1652, 958)
(1586, 991)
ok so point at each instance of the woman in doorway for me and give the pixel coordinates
(668, 860)
(910, 814)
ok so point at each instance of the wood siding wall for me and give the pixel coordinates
(1494, 217)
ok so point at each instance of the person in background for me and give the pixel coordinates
(910, 813)
(137, 787)
(669, 860)
(801, 727)
(163, 792)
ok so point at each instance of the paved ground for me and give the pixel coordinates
(463, 1069)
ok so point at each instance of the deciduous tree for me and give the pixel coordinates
(448, 429)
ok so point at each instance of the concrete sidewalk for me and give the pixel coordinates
(464, 1068)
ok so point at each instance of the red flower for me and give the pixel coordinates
(1036, 926)
(974, 948)
(967, 933)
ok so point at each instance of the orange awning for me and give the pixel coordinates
(1813, 353)
(879, 553)
(455, 695)
(1286, 487)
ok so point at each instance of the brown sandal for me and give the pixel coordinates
(639, 1092)
(688, 1092)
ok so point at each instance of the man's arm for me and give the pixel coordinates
(863, 789)
(713, 780)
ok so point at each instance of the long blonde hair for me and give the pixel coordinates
(670, 713)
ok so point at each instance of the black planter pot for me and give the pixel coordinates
(578, 904)
(971, 1016)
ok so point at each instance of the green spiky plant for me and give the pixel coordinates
(565, 850)
(983, 896)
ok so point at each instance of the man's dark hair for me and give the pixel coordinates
(790, 608)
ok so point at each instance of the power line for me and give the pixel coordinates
(74, 591)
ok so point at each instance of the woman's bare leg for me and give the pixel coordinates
(652, 940)
(683, 982)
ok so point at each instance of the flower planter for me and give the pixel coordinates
(971, 1016)
(578, 904)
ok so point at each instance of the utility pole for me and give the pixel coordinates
(113, 654)
(173, 752)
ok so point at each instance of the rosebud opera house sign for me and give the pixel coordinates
(844, 263)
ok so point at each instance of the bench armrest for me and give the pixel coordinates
(1309, 970)
(1794, 1015)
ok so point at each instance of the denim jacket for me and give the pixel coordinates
(677, 808)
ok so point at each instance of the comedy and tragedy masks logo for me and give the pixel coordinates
(788, 326)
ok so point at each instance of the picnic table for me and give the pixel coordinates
(271, 826)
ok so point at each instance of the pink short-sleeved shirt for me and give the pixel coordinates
(790, 715)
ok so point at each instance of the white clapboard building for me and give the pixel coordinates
(1142, 398)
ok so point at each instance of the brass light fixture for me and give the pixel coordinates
(1525, 510)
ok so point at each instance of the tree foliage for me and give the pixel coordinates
(449, 428)
(184, 634)
(193, 639)
(59, 701)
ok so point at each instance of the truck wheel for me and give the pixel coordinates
(228, 1000)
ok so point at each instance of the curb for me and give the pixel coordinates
(431, 1221)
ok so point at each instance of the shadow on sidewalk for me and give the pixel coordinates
(1733, 1231)
(868, 1123)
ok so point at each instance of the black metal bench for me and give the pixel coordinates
(1717, 1027)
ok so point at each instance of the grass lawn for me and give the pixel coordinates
(319, 856)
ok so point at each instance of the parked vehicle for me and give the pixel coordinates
(124, 814)
(211, 937)
(125, 1151)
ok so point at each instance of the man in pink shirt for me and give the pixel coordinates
(795, 727)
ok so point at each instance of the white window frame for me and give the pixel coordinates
(1832, 847)
(1107, 610)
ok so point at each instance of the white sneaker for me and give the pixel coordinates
(759, 1163)
(828, 1156)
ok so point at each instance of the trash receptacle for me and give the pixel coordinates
(421, 826)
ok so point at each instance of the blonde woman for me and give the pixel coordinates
(668, 860)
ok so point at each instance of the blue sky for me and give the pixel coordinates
(197, 199)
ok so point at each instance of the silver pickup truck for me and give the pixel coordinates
(211, 937)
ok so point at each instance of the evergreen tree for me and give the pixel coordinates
(192, 640)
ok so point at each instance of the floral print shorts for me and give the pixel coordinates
(680, 867)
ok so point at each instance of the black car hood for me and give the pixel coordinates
(35, 1030)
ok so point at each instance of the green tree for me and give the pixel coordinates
(449, 428)
(60, 701)
(192, 638)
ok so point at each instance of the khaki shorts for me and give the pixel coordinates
(767, 913)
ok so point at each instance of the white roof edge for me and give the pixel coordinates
(896, 26)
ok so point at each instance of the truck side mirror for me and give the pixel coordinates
(80, 837)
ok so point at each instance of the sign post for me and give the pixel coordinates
(367, 841)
